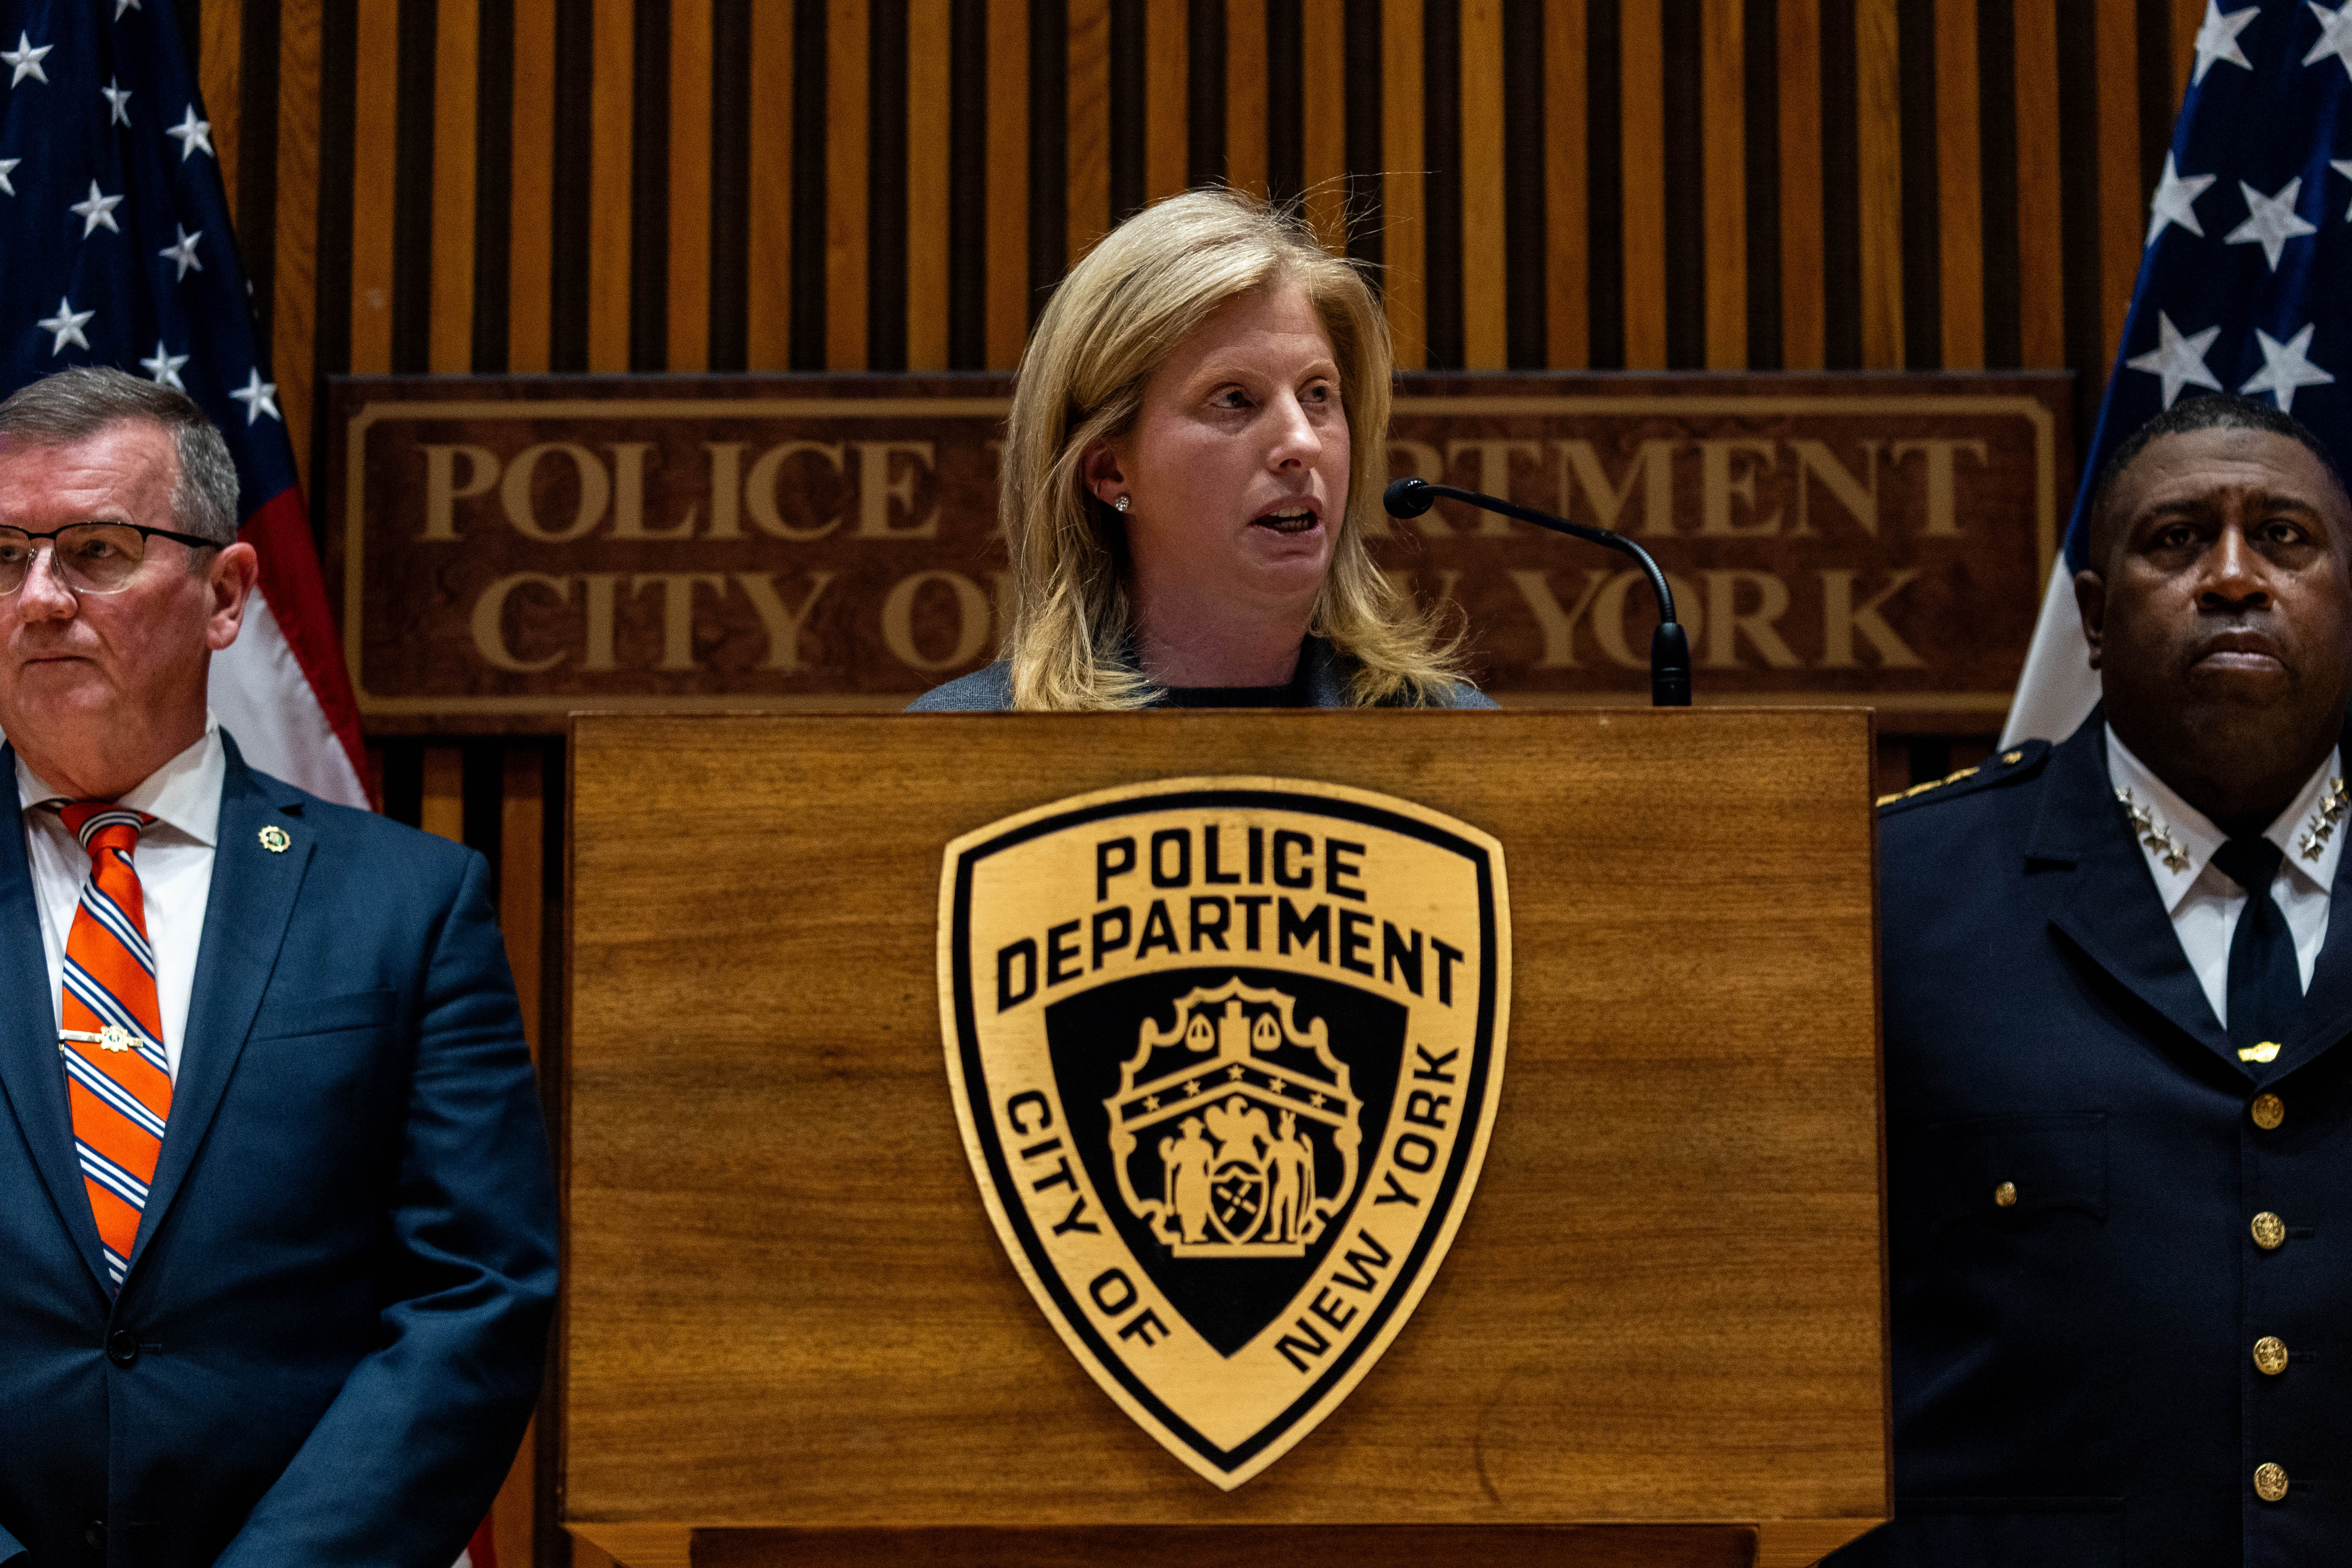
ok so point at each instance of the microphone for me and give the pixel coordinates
(1670, 667)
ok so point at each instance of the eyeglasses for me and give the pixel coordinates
(93, 557)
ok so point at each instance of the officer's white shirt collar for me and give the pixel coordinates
(2195, 836)
(183, 794)
(2178, 844)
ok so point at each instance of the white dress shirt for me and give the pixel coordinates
(2203, 901)
(174, 862)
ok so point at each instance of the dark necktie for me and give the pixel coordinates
(2265, 984)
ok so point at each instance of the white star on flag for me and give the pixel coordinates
(2174, 199)
(2271, 221)
(67, 325)
(2217, 38)
(260, 396)
(2334, 37)
(117, 102)
(2284, 368)
(166, 367)
(99, 209)
(122, 6)
(27, 60)
(7, 167)
(2341, 165)
(184, 253)
(193, 133)
(2176, 360)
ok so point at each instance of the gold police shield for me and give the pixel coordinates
(1226, 1054)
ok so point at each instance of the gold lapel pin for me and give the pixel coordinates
(274, 839)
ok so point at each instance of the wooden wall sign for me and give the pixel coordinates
(511, 548)
(1226, 1054)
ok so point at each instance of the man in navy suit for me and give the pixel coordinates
(2118, 981)
(277, 1228)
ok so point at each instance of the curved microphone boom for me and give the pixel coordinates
(1670, 667)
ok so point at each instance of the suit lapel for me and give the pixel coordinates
(246, 916)
(30, 1078)
(2110, 908)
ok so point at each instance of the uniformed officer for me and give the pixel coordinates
(2119, 1105)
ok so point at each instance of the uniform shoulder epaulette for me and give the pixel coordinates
(2020, 761)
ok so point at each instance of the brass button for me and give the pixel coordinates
(2270, 1356)
(2269, 1483)
(2270, 1231)
(2269, 1111)
(2005, 1195)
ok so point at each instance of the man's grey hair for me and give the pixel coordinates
(78, 404)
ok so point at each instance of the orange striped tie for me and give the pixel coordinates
(110, 1031)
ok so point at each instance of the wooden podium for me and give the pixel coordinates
(792, 1335)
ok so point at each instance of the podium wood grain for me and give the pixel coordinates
(786, 1306)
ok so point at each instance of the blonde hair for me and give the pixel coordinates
(1115, 319)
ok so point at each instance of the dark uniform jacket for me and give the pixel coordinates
(2073, 1376)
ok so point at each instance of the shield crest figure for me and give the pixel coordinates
(1226, 1054)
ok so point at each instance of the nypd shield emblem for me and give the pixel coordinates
(1226, 1054)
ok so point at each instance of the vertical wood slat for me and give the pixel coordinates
(2186, 16)
(522, 840)
(514, 1511)
(456, 45)
(1403, 187)
(768, 294)
(844, 184)
(1166, 134)
(2041, 248)
(689, 184)
(1959, 209)
(1568, 325)
(294, 306)
(531, 202)
(1086, 199)
(374, 141)
(928, 23)
(1803, 323)
(220, 71)
(1008, 182)
(1723, 115)
(1246, 88)
(1642, 66)
(2121, 200)
(613, 123)
(1486, 323)
(1325, 95)
(442, 808)
(1878, 114)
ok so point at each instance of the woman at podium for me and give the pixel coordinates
(1193, 459)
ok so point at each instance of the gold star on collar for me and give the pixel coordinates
(2316, 832)
(2152, 833)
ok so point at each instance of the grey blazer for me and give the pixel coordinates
(989, 690)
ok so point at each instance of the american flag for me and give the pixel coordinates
(2245, 280)
(115, 249)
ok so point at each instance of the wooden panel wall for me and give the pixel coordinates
(765, 184)
(454, 186)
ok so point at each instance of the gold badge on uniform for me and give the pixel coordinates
(1226, 1054)
(274, 839)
